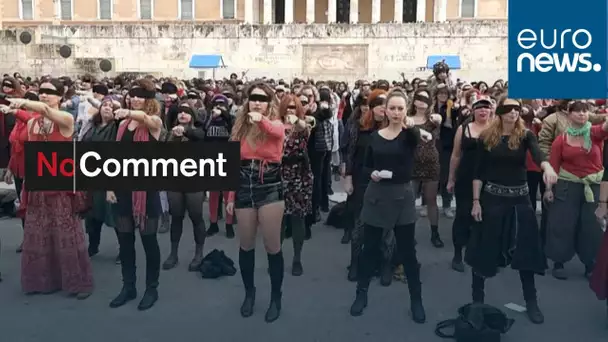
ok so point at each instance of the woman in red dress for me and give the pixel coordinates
(54, 254)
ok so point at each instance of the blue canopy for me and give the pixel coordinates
(206, 62)
(452, 61)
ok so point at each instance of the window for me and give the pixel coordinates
(468, 8)
(228, 9)
(26, 9)
(66, 9)
(104, 9)
(186, 9)
(146, 9)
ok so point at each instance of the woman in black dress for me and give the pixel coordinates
(138, 210)
(507, 231)
(389, 202)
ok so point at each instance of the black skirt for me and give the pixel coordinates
(507, 235)
(260, 183)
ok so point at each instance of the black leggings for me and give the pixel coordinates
(372, 254)
(179, 202)
(536, 183)
(125, 227)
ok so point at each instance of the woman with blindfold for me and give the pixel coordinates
(258, 202)
(52, 216)
(184, 130)
(571, 226)
(138, 210)
(296, 174)
(460, 181)
(507, 231)
(218, 129)
(427, 167)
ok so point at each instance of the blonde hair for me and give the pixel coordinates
(492, 135)
(243, 129)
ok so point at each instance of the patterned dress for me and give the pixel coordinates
(426, 160)
(297, 174)
(55, 253)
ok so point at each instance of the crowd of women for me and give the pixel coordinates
(390, 142)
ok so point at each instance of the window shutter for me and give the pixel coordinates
(467, 9)
(145, 10)
(105, 9)
(228, 9)
(187, 10)
(66, 9)
(27, 10)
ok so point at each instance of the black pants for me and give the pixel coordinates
(527, 284)
(372, 255)
(444, 172)
(536, 183)
(179, 203)
(320, 165)
(93, 228)
(125, 227)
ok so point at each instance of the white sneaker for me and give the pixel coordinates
(422, 212)
(448, 212)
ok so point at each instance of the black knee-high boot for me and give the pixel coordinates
(276, 265)
(478, 287)
(152, 251)
(126, 242)
(529, 288)
(411, 268)
(247, 266)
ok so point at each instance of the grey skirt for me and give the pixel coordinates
(388, 205)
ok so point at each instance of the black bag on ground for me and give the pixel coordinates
(217, 264)
(339, 216)
(476, 323)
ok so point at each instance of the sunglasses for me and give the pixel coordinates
(48, 91)
(291, 107)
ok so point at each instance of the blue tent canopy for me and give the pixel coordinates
(452, 61)
(207, 62)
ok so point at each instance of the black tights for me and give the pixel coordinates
(372, 255)
(527, 284)
(125, 227)
(93, 227)
(179, 202)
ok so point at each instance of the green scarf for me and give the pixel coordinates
(584, 132)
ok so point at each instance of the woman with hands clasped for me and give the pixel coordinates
(54, 254)
(507, 231)
(138, 210)
(258, 201)
(389, 202)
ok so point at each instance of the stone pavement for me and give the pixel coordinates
(315, 306)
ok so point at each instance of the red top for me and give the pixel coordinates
(270, 150)
(575, 159)
(530, 164)
(17, 139)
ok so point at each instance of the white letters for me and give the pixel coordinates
(114, 163)
(83, 161)
(188, 168)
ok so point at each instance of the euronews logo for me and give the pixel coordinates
(565, 51)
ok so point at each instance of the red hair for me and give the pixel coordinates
(285, 101)
(367, 120)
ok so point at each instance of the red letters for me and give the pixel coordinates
(51, 167)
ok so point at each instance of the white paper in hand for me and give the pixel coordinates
(385, 174)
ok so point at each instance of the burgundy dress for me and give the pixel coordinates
(599, 278)
(54, 250)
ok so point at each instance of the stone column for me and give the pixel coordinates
(354, 11)
(268, 12)
(248, 11)
(398, 16)
(332, 11)
(310, 11)
(421, 10)
(441, 10)
(289, 11)
(376, 5)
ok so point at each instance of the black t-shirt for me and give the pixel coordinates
(395, 155)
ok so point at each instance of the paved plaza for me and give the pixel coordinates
(315, 305)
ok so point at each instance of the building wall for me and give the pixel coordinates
(209, 10)
(340, 52)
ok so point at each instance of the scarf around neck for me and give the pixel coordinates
(142, 134)
(584, 131)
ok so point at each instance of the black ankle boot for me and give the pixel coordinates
(127, 294)
(386, 275)
(360, 303)
(213, 229)
(417, 309)
(353, 271)
(346, 237)
(229, 231)
(436, 240)
(172, 259)
(274, 310)
(534, 314)
(248, 303)
(149, 299)
(195, 264)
